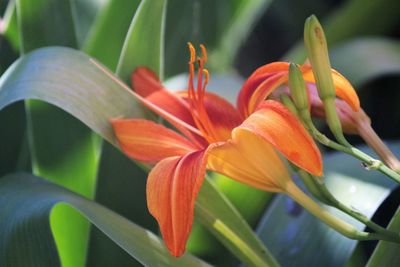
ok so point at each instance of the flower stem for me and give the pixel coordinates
(326, 196)
(366, 131)
(334, 222)
(370, 163)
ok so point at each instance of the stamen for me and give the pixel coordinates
(204, 52)
(192, 53)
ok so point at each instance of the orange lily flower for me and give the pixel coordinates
(213, 135)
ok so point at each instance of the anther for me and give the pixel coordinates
(204, 52)
(192, 53)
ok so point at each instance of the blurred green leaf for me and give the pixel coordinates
(112, 23)
(85, 13)
(10, 25)
(144, 43)
(27, 202)
(220, 25)
(352, 19)
(364, 59)
(295, 237)
(69, 79)
(45, 23)
(387, 253)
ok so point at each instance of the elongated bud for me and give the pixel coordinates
(297, 87)
(317, 49)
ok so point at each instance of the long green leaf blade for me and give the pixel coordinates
(27, 202)
(111, 24)
(144, 43)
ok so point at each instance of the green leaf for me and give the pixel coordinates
(364, 59)
(112, 23)
(387, 253)
(238, 24)
(11, 25)
(84, 14)
(72, 81)
(295, 237)
(225, 222)
(65, 152)
(45, 23)
(148, 25)
(27, 202)
(12, 136)
(125, 194)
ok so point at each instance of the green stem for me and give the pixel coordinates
(329, 199)
(336, 223)
(371, 163)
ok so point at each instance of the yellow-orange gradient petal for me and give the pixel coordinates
(343, 87)
(172, 187)
(277, 125)
(249, 159)
(149, 142)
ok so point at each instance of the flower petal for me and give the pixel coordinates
(149, 142)
(249, 159)
(276, 124)
(166, 104)
(343, 87)
(223, 115)
(172, 187)
(258, 77)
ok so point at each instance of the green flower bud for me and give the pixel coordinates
(297, 87)
(317, 49)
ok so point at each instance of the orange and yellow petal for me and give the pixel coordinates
(259, 76)
(277, 125)
(172, 187)
(343, 87)
(149, 142)
(249, 159)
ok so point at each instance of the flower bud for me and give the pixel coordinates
(315, 42)
(317, 49)
(298, 88)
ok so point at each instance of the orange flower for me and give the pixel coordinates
(213, 135)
